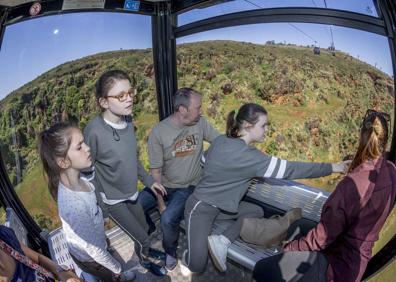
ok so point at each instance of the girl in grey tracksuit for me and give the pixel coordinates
(230, 164)
(117, 168)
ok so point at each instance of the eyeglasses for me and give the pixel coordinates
(123, 96)
(372, 114)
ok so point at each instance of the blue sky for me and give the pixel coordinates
(32, 47)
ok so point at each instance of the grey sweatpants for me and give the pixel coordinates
(199, 217)
(130, 218)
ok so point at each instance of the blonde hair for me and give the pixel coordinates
(373, 139)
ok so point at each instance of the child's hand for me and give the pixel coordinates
(158, 189)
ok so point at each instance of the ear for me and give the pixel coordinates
(63, 163)
(103, 103)
(183, 109)
(246, 125)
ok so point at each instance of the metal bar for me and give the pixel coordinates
(179, 7)
(388, 10)
(164, 55)
(379, 13)
(3, 17)
(303, 15)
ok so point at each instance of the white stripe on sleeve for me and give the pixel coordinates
(271, 167)
(282, 169)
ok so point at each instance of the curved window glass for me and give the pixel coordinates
(48, 70)
(365, 7)
(316, 95)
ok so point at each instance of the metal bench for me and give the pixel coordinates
(275, 196)
(287, 194)
(279, 195)
(60, 253)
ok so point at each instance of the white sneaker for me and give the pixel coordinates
(218, 247)
(184, 270)
(127, 275)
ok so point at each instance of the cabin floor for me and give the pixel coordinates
(124, 252)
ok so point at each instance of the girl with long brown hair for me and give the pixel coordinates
(340, 246)
(64, 155)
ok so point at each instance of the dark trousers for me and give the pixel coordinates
(171, 217)
(292, 266)
(129, 216)
(96, 269)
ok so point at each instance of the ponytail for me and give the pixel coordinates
(373, 140)
(232, 127)
(248, 112)
(53, 143)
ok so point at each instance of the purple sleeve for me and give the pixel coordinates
(336, 211)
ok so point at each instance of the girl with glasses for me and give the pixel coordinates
(117, 168)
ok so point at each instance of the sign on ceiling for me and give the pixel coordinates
(85, 4)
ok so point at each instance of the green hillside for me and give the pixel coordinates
(315, 103)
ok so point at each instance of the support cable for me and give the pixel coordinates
(292, 25)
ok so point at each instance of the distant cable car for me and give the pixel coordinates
(316, 50)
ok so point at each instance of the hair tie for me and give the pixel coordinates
(236, 113)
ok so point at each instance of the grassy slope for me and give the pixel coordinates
(2, 215)
(34, 194)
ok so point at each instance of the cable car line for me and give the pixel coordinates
(332, 47)
(313, 2)
(310, 37)
(254, 4)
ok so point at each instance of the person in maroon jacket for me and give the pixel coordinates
(339, 247)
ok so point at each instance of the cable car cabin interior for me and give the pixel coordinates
(316, 66)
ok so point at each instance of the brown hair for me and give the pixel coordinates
(107, 80)
(373, 139)
(248, 112)
(53, 143)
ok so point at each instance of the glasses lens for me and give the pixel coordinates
(123, 96)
